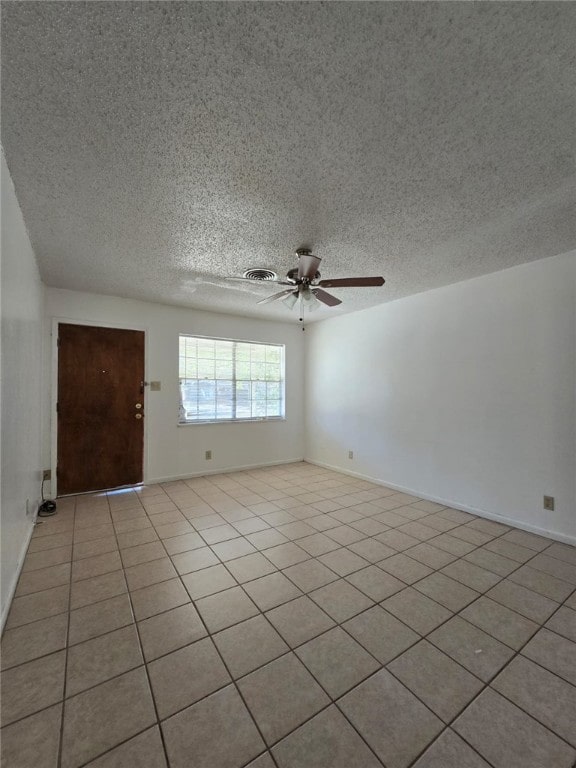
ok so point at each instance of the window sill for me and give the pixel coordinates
(264, 420)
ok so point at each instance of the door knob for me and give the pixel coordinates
(137, 415)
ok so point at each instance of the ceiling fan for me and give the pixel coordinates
(306, 285)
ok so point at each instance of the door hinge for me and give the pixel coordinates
(57, 407)
(58, 341)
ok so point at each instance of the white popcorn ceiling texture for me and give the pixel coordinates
(152, 144)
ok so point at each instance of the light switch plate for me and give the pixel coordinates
(155, 386)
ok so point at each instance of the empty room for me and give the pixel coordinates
(288, 385)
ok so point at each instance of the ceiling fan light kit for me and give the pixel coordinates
(306, 284)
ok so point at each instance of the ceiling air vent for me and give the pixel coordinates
(260, 274)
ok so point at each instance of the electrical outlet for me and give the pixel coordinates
(155, 386)
(549, 503)
(47, 474)
(350, 454)
(208, 455)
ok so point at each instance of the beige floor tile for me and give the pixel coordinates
(31, 687)
(509, 738)
(99, 588)
(442, 684)
(510, 550)
(299, 620)
(194, 560)
(310, 575)
(96, 547)
(470, 535)
(170, 530)
(249, 645)
(394, 723)
(226, 608)
(543, 583)
(405, 568)
(346, 534)
(103, 717)
(431, 556)
(455, 546)
(381, 633)
(31, 641)
(375, 582)
(143, 553)
(250, 567)
(500, 622)
(546, 697)
(446, 591)
(341, 600)
(98, 618)
(96, 566)
(208, 581)
(450, 751)
(471, 575)
(143, 751)
(371, 550)
(42, 543)
(207, 521)
(194, 737)
(553, 652)
(133, 525)
(564, 623)
(565, 552)
(554, 567)
(219, 533)
(281, 696)
(416, 610)
(97, 660)
(265, 539)
(185, 676)
(522, 600)
(337, 661)
(46, 558)
(230, 550)
(95, 532)
(145, 574)
(479, 652)
(166, 632)
(271, 591)
(39, 605)
(158, 598)
(287, 554)
(369, 527)
(183, 543)
(136, 538)
(250, 525)
(326, 741)
(525, 539)
(343, 562)
(42, 579)
(33, 742)
(503, 566)
(397, 540)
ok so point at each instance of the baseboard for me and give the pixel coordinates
(221, 471)
(563, 537)
(10, 596)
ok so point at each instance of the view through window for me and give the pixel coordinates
(226, 380)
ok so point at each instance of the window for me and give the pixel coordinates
(224, 380)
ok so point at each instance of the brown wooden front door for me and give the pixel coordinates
(100, 408)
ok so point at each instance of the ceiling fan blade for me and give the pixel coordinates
(308, 265)
(351, 282)
(275, 296)
(326, 298)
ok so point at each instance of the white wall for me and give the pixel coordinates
(21, 381)
(465, 394)
(170, 450)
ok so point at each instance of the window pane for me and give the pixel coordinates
(222, 379)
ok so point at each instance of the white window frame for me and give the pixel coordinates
(184, 420)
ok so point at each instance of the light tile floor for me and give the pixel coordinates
(290, 617)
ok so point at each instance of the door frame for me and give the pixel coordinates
(54, 331)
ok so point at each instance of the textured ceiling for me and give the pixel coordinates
(158, 147)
